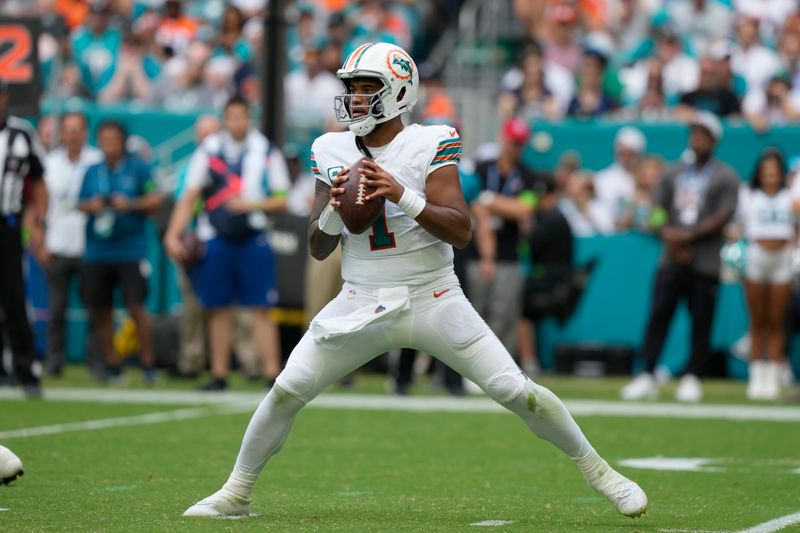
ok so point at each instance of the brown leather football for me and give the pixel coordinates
(195, 249)
(358, 213)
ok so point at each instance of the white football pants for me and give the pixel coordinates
(439, 321)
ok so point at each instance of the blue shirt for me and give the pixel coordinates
(126, 240)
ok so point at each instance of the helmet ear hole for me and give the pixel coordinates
(401, 94)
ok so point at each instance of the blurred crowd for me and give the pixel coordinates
(648, 60)
(187, 55)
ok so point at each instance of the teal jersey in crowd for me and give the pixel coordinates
(95, 56)
(470, 182)
(111, 236)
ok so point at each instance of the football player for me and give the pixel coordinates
(400, 289)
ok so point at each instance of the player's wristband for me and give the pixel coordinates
(330, 222)
(411, 203)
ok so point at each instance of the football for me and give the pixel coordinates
(358, 213)
(195, 249)
(10, 466)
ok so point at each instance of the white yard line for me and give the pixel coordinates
(774, 525)
(124, 421)
(381, 402)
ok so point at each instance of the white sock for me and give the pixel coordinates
(549, 419)
(264, 437)
(592, 466)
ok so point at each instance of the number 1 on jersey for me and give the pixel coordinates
(381, 238)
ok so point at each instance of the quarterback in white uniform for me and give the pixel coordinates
(400, 289)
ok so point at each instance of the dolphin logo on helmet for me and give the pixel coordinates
(394, 68)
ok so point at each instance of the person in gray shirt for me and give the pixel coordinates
(694, 201)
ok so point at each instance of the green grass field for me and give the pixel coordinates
(358, 470)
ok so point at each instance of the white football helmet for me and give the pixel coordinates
(10, 466)
(391, 65)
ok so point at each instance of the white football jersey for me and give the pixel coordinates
(396, 250)
(766, 217)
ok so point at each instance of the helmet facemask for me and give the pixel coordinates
(374, 111)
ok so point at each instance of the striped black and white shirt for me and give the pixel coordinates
(21, 159)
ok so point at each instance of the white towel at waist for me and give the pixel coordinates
(390, 303)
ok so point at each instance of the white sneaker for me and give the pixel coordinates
(628, 497)
(221, 504)
(755, 380)
(771, 387)
(689, 389)
(644, 386)
(10, 466)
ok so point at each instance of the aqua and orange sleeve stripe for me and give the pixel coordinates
(314, 167)
(448, 150)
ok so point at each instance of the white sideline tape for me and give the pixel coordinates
(380, 402)
(766, 527)
(123, 421)
(774, 525)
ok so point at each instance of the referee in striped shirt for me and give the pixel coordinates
(23, 202)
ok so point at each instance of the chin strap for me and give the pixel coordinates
(363, 147)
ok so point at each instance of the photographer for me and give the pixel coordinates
(117, 195)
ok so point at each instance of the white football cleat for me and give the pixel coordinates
(221, 504)
(626, 495)
(10, 466)
(643, 387)
(628, 498)
(689, 389)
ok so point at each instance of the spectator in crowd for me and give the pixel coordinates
(769, 15)
(756, 63)
(679, 71)
(182, 86)
(70, 84)
(711, 95)
(591, 99)
(559, 43)
(614, 185)
(312, 89)
(585, 213)
(241, 177)
(532, 99)
(721, 52)
(377, 21)
(117, 194)
(628, 23)
(176, 30)
(495, 280)
(131, 81)
(95, 47)
(778, 104)
(702, 21)
(46, 131)
(767, 214)
(21, 159)
(652, 106)
(558, 81)
(695, 200)
(636, 213)
(789, 52)
(65, 237)
(230, 41)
